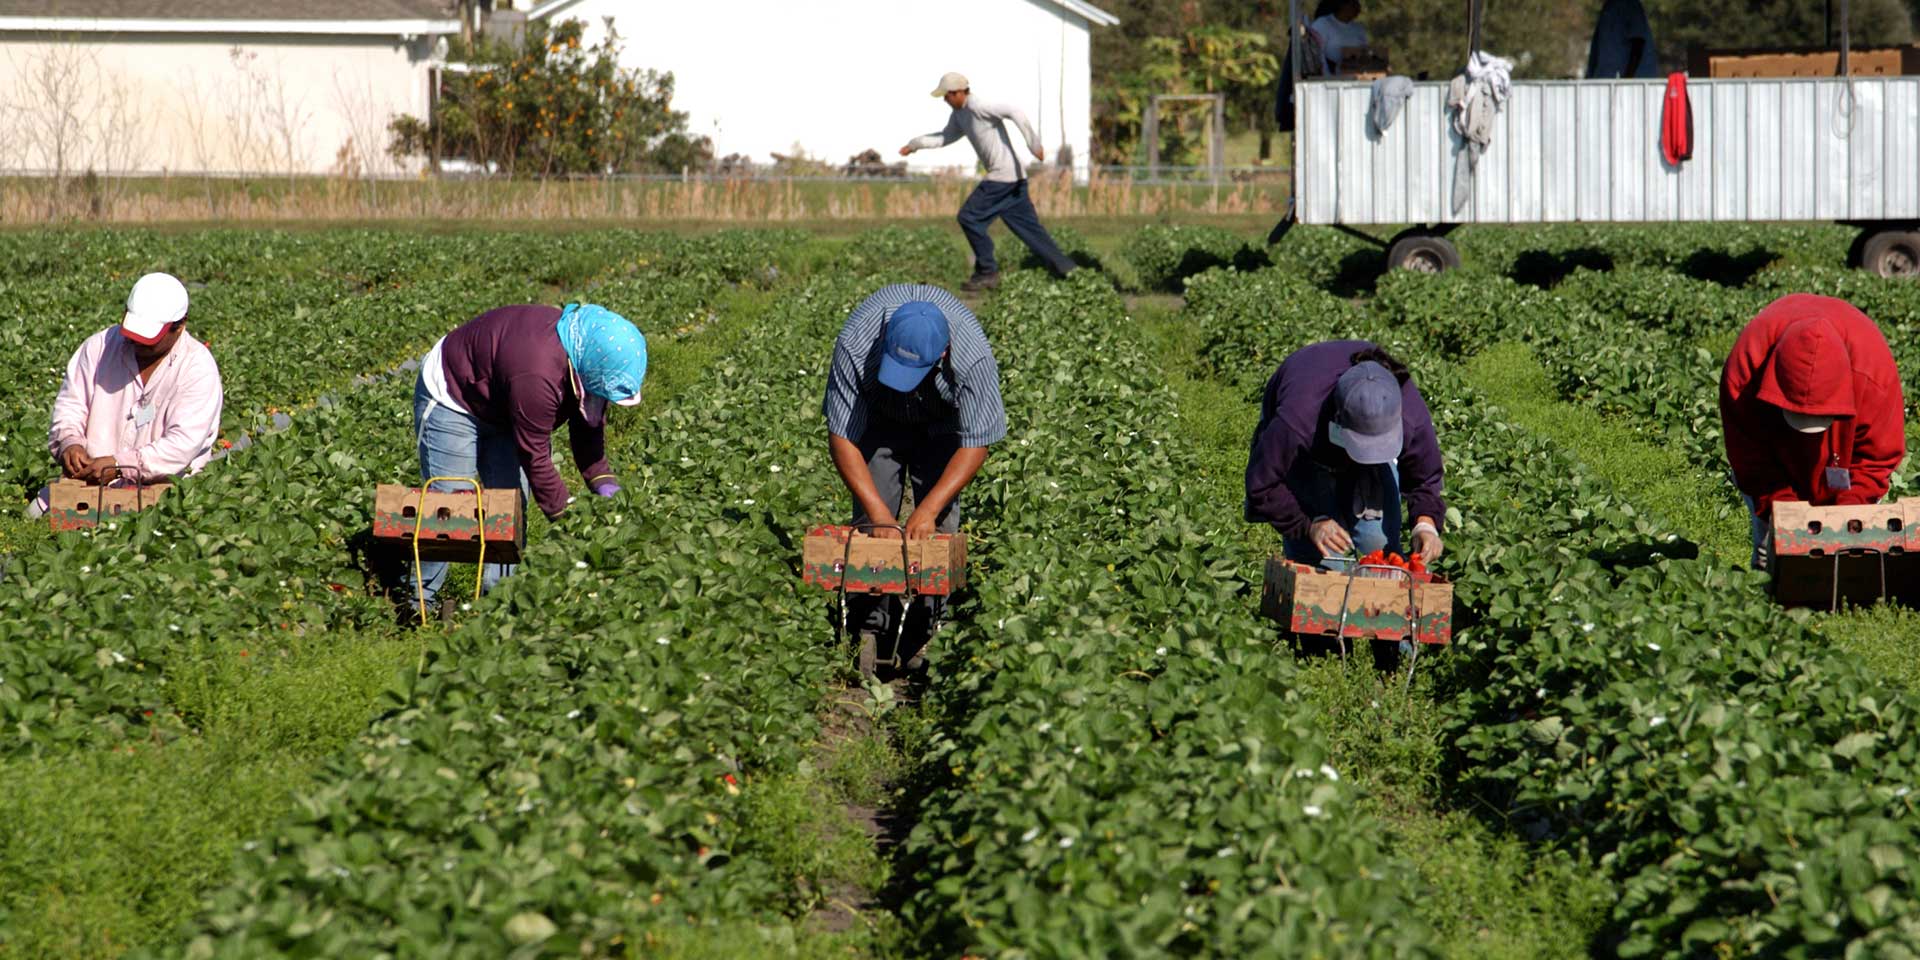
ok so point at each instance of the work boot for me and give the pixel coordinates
(981, 281)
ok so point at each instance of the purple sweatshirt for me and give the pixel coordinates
(1292, 435)
(507, 367)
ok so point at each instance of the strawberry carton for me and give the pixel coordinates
(1381, 601)
(450, 524)
(78, 505)
(837, 555)
(1824, 557)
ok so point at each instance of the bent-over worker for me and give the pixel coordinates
(141, 400)
(913, 396)
(1811, 407)
(491, 393)
(1344, 437)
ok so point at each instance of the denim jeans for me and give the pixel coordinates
(455, 444)
(1343, 496)
(1761, 530)
(898, 455)
(1009, 202)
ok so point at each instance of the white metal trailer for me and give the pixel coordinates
(1844, 149)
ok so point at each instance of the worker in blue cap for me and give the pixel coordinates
(913, 396)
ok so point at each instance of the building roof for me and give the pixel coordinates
(230, 16)
(1080, 8)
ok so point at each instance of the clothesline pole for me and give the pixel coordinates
(1473, 27)
(1846, 38)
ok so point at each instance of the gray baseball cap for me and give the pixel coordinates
(1366, 414)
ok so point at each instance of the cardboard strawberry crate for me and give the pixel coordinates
(1307, 600)
(451, 530)
(78, 505)
(1801, 529)
(936, 566)
(1824, 557)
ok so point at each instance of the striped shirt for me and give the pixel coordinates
(960, 398)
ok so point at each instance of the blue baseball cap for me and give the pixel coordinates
(1366, 414)
(916, 338)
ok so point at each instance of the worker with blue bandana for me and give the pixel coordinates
(913, 397)
(491, 394)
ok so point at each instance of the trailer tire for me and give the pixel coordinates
(1892, 253)
(1423, 253)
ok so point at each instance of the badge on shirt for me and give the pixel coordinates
(142, 415)
(1838, 478)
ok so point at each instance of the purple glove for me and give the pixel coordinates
(605, 488)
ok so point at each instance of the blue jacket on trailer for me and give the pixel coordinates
(1292, 437)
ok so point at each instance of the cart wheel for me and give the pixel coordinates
(1892, 253)
(869, 654)
(1422, 253)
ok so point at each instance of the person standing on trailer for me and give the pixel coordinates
(913, 397)
(1003, 191)
(1343, 41)
(491, 393)
(1622, 44)
(141, 400)
(1344, 436)
(1811, 408)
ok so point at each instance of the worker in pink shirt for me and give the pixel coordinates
(141, 400)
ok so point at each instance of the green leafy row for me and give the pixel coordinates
(1745, 786)
(1124, 763)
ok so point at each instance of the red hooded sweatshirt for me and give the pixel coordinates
(1821, 357)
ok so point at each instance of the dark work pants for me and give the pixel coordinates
(1009, 202)
(896, 456)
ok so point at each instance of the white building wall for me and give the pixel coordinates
(189, 102)
(836, 77)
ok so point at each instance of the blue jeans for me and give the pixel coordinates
(1010, 203)
(1345, 495)
(1761, 529)
(455, 444)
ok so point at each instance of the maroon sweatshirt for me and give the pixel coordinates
(507, 367)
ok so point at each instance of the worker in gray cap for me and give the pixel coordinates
(1003, 191)
(1344, 437)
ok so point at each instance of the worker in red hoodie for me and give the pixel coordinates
(1811, 407)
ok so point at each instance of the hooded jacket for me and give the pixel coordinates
(1821, 357)
(1292, 436)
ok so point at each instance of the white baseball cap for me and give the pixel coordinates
(949, 83)
(157, 300)
(1807, 422)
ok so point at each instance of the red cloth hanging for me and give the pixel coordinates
(1676, 121)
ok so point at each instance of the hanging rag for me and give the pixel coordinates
(1389, 96)
(606, 350)
(1676, 122)
(1475, 97)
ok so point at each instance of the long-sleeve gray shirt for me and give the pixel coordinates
(983, 124)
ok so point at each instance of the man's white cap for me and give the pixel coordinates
(949, 83)
(1806, 422)
(157, 300)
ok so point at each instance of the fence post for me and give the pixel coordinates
(1152, 135)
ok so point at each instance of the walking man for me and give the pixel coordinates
(913, 396)
(1003, 193)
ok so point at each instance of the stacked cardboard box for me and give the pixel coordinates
(936, 566)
